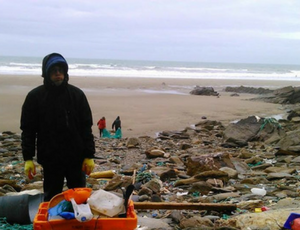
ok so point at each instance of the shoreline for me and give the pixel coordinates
(146, 106)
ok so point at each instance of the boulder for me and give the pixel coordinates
(204, 91)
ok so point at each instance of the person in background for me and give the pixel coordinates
(101, 125)
(116, 124)
(56, 123)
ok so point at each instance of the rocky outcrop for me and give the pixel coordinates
(286, 95)
(204, 91)
(252, 128)
(251, 90)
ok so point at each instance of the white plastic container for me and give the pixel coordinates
(259, 191)
(82, 211)
(106, 203)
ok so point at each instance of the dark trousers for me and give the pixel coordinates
(101, 132)
(54, 178)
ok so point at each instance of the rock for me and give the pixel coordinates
(291, 139)
(132, 142)
(232, 173)
(202, 187)
(196, 221)
(153, 223)
(240, 133)
(168, 175)
(155, 185)
(153, 153)
(145, 191)
(206, 91)
(252, 90)
(207, 162)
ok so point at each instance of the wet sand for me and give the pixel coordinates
(146, 106)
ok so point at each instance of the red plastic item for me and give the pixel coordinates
(295, 224)
(41, 221)
(264, 208)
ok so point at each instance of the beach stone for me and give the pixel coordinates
(132, 142)
(153, 223)
(145, 191)
(280, 170)
(254, 180)
(114, 183)
(176, 160)
(144, 198)
(232, 173)
(203, 177)
(185, 146)
(3, 150)
(196, 221)
(216, 183)
(272, 176)
(296, 160)
(216, 174)
(254, 160)
(291, 139)
(176, 216)
(155, 198)
(250, 205)
(295, 148)
(159, 170)
(203, 187)
(154, 153)
(155, 185)
(168, 175)
(207, 162)
(173, 134)
(209, 124)
(11, 183)
(293, 116)
(240, 166)
(8, 189)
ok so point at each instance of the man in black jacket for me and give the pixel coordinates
(116, 124)
(57, 120)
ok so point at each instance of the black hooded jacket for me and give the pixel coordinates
(116, 124)
(56, 119)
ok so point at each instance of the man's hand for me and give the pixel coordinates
(88, 165)
(29, 169)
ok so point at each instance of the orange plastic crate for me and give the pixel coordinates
(41, 221)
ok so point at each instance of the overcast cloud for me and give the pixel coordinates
(249, 31)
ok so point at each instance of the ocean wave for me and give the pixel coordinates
(148, 69)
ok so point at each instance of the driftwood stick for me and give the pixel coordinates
(186, 206)
(133, 176)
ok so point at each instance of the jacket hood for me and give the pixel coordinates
(49, 61)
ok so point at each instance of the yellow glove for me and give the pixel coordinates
(29, 169)
(88, 165)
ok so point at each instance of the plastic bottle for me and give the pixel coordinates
(82, 211)
(259, 191)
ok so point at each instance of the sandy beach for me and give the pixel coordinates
(145, 105)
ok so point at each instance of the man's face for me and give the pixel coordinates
(57, 74)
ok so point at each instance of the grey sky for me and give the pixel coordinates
(250, 31)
